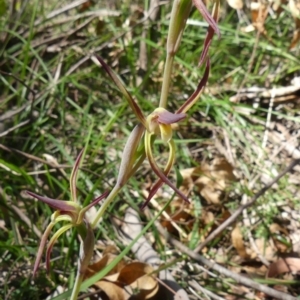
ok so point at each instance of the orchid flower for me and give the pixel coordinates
(159, 122)
(69, 212)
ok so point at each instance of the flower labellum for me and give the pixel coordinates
(159, 122)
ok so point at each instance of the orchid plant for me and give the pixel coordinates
(159, 122)
(73, 215)
(138, 146)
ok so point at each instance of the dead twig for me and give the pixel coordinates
(6, 132)
(239, 211)
(73, 18)
(26, 220)
(20, 213)
(60, 11)
(59, 167)
(211, 264)
(205, 291)
(34, 158)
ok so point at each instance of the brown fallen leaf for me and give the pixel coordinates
(120, 282)
(137, 275)
(102, 263)
(238, 242)
(259, 13)
(211, 180)
(133, 271)
(85, 6)
(277, 6)
(214, 179)
(280, 237)
(144, 252)
(179, 213)
(266, 248)
(253, 268)
(295, 39)
(112, 290)
(284, 265)
(295, 12)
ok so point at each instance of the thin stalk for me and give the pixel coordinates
(77, 285)
(166, 80)
(82, 231)
(105, 204)
(87, 244)
(117, 188)
(115, 191)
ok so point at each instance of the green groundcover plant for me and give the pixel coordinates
(158, 124)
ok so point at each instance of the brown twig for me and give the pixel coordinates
(25, 219)
(60, 11)
(33, 157)
(204, 291)
(20, 213)
(6, 132)
(211, 264)
(238, 212)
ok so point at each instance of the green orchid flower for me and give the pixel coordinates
(69, 212)
(159, 122)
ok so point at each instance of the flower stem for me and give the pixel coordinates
(76, 287)
(87, 242)
(81, 229)
(166, 80)
(105, 204)
(117, 188)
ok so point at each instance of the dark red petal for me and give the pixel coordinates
(41, 248)
(165, 179)
(48, 256)
(98, 199)
(207, 42)
(73, 177)
(209, 35)
(152, 192)
(54, 203)
(200, 86)
(166, 117)
(134, 106)
(206, 15)
(166, 172)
